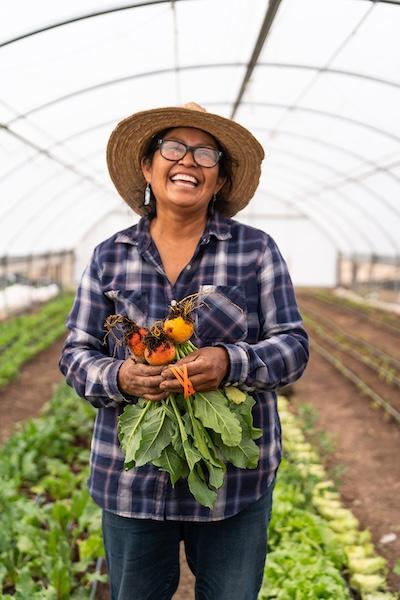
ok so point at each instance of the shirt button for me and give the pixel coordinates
(188, 267)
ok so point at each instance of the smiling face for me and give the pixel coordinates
(182, 184)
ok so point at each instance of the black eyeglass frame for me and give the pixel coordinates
(192, 149)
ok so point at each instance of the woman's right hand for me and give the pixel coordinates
(137, 379)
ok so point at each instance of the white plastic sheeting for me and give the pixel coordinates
(323, 98)
(19, 297)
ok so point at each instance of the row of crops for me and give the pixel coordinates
(50, 536)
(317, 549)
(368, 359)
(24, 336)
(49, 526)
(385, 319)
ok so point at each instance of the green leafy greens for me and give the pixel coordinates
(192, 438)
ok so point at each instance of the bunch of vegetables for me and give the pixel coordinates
(190, 435)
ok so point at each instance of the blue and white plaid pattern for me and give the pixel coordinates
(249, 308)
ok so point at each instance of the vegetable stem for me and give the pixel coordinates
(191, 347)
(178, 417)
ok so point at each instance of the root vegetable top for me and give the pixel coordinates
(179, 329)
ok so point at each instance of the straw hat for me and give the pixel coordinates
(130, 138)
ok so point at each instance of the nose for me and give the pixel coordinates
(188, 159)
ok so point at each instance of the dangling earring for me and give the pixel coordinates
(211, 206)
(147, 195)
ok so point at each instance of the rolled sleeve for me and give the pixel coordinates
(239, 364)
(85, 360)
(108, 381)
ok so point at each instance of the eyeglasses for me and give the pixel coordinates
(203, 156)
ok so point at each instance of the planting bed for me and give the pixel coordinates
(365, 439)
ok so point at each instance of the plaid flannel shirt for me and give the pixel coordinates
(251, 310)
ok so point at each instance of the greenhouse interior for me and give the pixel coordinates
(300, 104)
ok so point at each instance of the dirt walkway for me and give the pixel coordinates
(24, 397)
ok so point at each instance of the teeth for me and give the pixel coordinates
(184, 177)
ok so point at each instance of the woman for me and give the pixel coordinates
(186, 172)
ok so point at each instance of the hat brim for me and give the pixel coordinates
(131, 136)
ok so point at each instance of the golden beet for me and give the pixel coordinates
(136, 341)
(162, 354)
(178, 329)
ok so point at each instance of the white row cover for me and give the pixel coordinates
(323, 98)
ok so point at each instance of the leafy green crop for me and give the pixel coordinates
(304, 560)
(23, 337)
(192, 437)
(49, 526)
(313, 538)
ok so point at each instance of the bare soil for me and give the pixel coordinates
(24, 397)
(366, 442)
(376, 376)
(185, 590)
(356, 325)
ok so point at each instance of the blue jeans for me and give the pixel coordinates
(227, 557)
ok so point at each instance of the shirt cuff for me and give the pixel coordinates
(110, 383)
(239, 364)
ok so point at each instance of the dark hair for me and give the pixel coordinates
(147, 156)
(152, 145)
(225, 166)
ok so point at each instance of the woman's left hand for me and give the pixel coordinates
(206, 368)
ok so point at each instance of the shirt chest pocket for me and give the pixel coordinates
(130, 303)
(222, 315)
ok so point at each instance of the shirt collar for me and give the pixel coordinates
(217, 226)
(139, 235)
